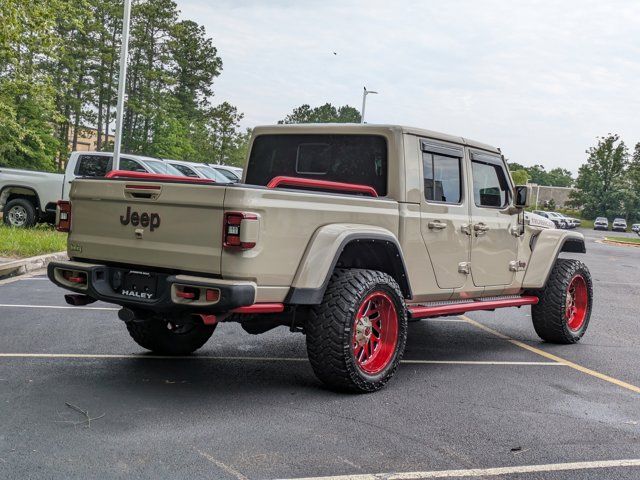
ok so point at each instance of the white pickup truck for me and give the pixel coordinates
(29, 197)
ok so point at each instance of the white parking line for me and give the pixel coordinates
(485, 472)
(257, 359)
(58, 307)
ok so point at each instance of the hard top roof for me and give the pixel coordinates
(372, 128)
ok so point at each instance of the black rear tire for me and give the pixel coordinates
(19, 213)
(157, 336)
(560, 315)
(339, 331)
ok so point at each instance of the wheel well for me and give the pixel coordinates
(575, 245)
(381, 255)
(13, 192)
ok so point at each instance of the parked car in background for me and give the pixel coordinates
(635, 227)
(232, 173)
(557, 220)
(576, 221)
(601, 223)
(619, 225)
(569, 221)
(29, 197)
(198, 170)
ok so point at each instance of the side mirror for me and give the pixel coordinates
(521, 197)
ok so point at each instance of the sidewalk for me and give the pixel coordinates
(10, 267)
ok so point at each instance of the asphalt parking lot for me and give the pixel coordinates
(477, 392)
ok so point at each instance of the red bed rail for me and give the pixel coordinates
(155, 176)
(324, 184)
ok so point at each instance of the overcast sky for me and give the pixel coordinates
(540, 79)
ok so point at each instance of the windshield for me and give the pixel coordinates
(212, 174)
(158, 166)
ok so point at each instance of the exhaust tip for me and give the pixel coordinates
(78, 300)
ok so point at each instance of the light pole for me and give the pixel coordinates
(364, 102)
(124, 52)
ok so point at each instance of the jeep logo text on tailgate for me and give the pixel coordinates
(144, 219)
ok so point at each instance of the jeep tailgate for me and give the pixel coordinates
(156, 224)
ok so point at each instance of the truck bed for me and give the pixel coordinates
(187, 233)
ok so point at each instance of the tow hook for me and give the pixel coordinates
(78, 300)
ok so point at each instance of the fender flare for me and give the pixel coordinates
(324, 250)
(37, 205)
(546, 246)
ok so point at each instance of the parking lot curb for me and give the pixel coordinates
(26, 265)
(620, 244)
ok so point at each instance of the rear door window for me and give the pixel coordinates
(93, 165)
(131, 165)
(442, 179)
(186, 171)
(360, 159)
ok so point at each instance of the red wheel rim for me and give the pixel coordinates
(375, 333)
(577, 303)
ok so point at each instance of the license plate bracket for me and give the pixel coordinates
(138, 284)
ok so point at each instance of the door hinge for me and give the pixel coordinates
(516, 230)
(464, 267)
(517, 265)
(465, 228)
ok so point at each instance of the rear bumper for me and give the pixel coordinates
(104, 283)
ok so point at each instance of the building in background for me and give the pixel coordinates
(542, 195)
(87, 139)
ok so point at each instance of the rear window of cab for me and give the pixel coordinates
(360, 159)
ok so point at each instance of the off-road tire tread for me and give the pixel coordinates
(153, 335)
(330, 321)
(548, 314)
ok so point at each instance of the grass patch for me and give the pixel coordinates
(29, 242)
(634, 241)
(586, 223)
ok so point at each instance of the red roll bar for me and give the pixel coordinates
(324, 184)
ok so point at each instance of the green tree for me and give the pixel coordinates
(632, 194)
(601, 181)
(326, 113)
(520, 176)
(59, 74)
(27, 110)
(559, 177)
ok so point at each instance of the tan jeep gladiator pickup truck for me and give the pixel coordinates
(342, 232)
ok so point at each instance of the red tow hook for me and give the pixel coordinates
(186, 295)
(209, 319)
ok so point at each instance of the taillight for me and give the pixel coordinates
(63, 216)
(234, 237)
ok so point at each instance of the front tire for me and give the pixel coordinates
(564, 309)
(356, 337)
(167, 338)
(19, 213)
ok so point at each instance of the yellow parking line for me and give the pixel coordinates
(487, 472)
(553, 357)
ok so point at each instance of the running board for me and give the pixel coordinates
(441, 309)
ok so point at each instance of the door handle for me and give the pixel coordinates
(480, 229)
(437, 225)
